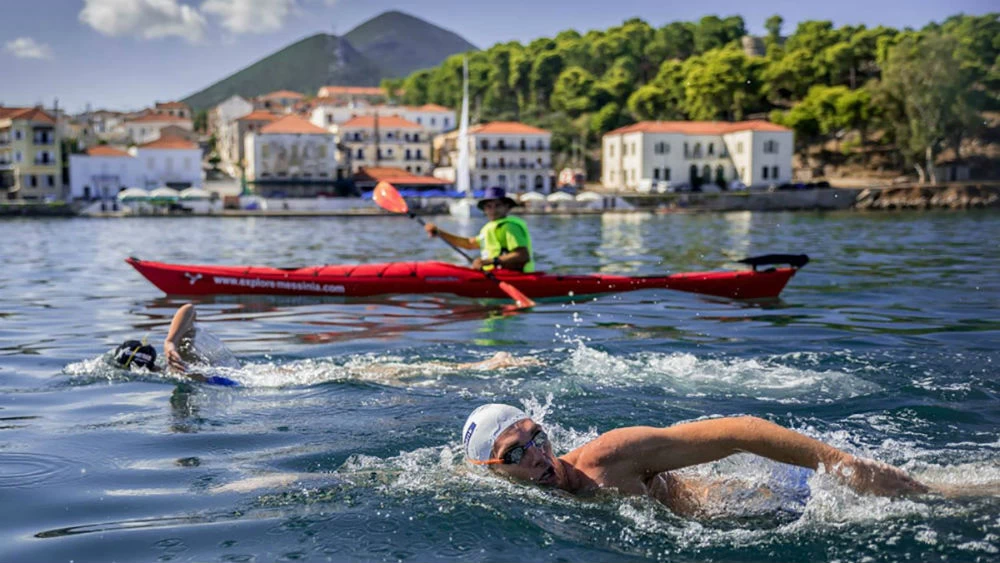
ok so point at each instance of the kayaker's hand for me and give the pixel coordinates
(477, 264)
(432, 230)
(174, 357)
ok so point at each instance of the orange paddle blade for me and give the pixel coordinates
(522, 300)
(388, 198)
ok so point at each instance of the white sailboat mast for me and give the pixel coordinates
(462, 174)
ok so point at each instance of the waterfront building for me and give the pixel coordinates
(223, 116)
(280, 101)
(30, 155)
(669, 155)
(102, 171)
(380, 141)
(433, 118)
(231, 141)
(508, 154)
(294, 157)
(146, 128)
(349, 94)
(173, 162)
(176, 109)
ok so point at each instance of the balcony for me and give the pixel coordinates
(45, 162)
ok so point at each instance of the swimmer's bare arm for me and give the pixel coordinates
(643, 452)
(181, 324)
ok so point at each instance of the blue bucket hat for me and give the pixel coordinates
(496, 193)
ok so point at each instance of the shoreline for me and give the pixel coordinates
(956, 196)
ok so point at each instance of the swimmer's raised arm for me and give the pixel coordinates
(181, 324)
(648, 451)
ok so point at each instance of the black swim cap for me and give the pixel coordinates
(135, 353)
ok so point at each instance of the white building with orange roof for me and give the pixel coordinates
(145, 128)
(386, 140)
(346, 94)
(231, 138)
(225, 113)
(173, 162)
(103, 171)
(508, 154)
(668, 155)
(292, 150)
(279, 101)
(434, 118)
(176, 109)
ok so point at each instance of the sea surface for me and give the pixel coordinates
(342, 444)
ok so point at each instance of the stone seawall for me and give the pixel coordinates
(790, 200)
(951, 196)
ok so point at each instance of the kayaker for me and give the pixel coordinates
(639, 460)
(186, 344)
(504, 242)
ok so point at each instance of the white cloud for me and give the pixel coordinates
(147, 19)
(250, 16)
(28, 48)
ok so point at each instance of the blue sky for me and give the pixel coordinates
(126, 54)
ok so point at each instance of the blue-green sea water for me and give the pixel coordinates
(342, 444)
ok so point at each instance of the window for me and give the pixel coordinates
(739, 147)
(522, 181)
(611, 149)
(32, 180)
(420, 121)
(17, 156)
(687, 150)
(539, 182)
(329, 119)
(503, 163)
(321, 151)
(484, 144)
(666, 174)
(764, 172)
(388, 135)
(524, 145)
(633, 148)
(408, 169)
(774, 172)
(51, 180)
(484, 181)
(445, 124)
(361, 153)
(433, 121)
(656, 173)
(17, 134)
(416, 137)
(407, 154)
(770, 147)
(633, 170)
(503, 180)
(419, 169)
(420, 154)
(485, 164)
(711, 149)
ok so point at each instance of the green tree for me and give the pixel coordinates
(719, 85)
(544, 72)
(933, 95)
(773, 27)
(573, 91)
(415, 87)
(607, 118)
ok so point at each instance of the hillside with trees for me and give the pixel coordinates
(851, 94)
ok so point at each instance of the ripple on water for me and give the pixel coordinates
(23, 469)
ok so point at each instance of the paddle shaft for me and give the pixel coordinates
(446, 241)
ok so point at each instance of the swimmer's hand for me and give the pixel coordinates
(877, 478)
(502, 360)
(174, 357)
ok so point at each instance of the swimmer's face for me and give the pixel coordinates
(537, 464)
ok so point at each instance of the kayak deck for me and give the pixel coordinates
(364, 280)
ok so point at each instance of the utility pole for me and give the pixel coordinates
(378, 149)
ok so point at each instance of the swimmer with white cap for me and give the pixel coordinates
(638, 460)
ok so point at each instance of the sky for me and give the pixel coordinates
(128, 54)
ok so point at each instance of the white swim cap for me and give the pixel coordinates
(483, 427)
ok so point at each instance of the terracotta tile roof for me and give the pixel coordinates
(507, 128)
(292, 123)
(433, 107)
(399, 176)
(697, 127)
(327, 91)
(171, 105)
(384, 122)
(169, 142)
(282, 94)
(157, 118)
(104, 150)
(258, 115)
(27, 114)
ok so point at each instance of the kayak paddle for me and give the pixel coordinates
(388, 198)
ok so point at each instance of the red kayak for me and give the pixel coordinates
(439, 277)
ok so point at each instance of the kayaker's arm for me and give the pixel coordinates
(471, 243)
(181, 324)
(513, 260)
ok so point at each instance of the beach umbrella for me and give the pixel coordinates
(589, 196)
(195, 193)
(531, 196)
(559, 196)
(133, 194)
(164, 194)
